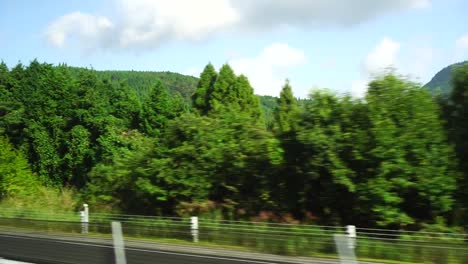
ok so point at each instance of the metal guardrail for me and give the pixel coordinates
(393, 246)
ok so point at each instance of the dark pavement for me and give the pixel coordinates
(49, 249)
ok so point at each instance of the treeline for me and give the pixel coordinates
(393, 159)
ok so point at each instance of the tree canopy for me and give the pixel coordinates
(141, 142)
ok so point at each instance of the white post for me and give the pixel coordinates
(351, 231)
(194, 228)
(86, 213)
(84, 219)
(119, 247)
(346, 254)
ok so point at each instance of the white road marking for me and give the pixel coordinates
(6, 261)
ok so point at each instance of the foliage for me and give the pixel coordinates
(142, 81)
(163, 143)
(268, 105)
(225, 92)
(15, 176)
(205, 86)
(45, 199)
(286, 114)
(412, 160)
(456, 116)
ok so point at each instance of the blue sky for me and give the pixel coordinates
(315, 43)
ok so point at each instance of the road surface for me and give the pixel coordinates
(43, 248)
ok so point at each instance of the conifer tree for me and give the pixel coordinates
(204, 87)
(222, 94)
(287, 110)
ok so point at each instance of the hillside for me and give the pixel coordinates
(176, 82)
(441, 82)
(142, 81)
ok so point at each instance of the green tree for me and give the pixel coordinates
(327, 180)
(120, 180)
(223, 90)
(244, 99)
(158, 108)
(205, 87)
(413, 176)
(286, 114)
(16, 177)
(456, 116)
(11, 110)
(232, 154)
(288, 183)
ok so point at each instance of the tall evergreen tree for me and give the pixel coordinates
(245, 99)
(218, 93)
(287, 110)
(158, 107)
(288, 182)
(223, 90)
(205, 87)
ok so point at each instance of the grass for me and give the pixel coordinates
(173, 241)
(263, 238)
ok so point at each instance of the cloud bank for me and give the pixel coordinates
(146, 24)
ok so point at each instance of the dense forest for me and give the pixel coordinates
(169, 144)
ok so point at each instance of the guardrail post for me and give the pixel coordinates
(194, 228)
(351, 231)
(345, 245)
(84, 219)
(86, 213)
(119, 247)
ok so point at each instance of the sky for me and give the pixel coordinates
(334, 44)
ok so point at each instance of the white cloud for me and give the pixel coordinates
(420, 61)
(461, 47)
(384, 55)
(421, 4)
(148, 23)
(267, 14)
(268, 71)
(90, 29)
(462, 42)
(359, 88)
(414, 63)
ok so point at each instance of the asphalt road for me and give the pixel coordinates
(50, 249)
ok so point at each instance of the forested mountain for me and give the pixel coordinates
(132, 144)
(141, 81)
(185, 85)
(441, 83)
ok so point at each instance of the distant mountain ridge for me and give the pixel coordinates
(142, 81)
(185, 85)
(441, 83)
